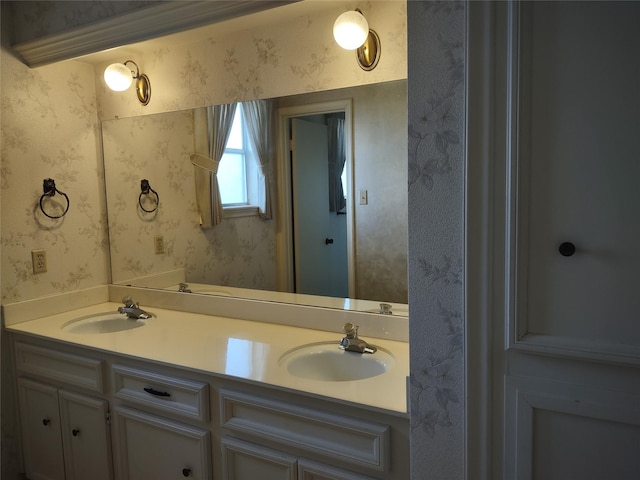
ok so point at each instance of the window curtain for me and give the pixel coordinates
(337, 159)
(212, 128)
(258, 115)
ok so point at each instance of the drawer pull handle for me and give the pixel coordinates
(157, 393)
(186, 472)
(46, 421)
(75, 432)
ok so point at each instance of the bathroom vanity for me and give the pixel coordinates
(184, 394)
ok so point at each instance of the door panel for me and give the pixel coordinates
(583, 164)
(86, 437)
(40, 419)
(321, 267)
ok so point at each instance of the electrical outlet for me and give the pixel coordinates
(158, 244)
(39, 259)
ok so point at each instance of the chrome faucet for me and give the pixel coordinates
(132, 309)
(351, 342)
(184, 287)
(385, 309)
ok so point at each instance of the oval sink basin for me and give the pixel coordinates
(103, 323)
(327, 362)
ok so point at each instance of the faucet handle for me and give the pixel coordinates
(350, 329)
(385, 308)
(128, 302)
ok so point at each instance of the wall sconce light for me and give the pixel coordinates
(119, 78)
(351, 31)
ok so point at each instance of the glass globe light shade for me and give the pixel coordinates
(118, 77)
(351, 30)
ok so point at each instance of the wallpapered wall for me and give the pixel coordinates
(50, 129)
(286, 57)
(436, 237)
(50, 126)
(237, 252)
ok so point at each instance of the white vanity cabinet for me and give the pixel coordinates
(168, 421)
(244, 460)
(293, 438)
(65, 433)
(153, 439)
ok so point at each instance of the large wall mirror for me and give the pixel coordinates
(166, 247)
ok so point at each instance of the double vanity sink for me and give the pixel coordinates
(223, 397)
(321, 361)
(285, 356)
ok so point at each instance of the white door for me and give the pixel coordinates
(143, 452)
(563, 302)
(86, 436)
(41, 430)
(248, 461)
(320, 236)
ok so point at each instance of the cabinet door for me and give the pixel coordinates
(248, 461)
(310, 470)
(85, 436)
(152, 447)
(42, 440)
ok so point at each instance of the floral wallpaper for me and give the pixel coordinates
(239, 251)
(436, 237)
(286, 57)
(51, 119)
(50, 129)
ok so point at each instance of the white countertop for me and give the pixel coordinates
(238, 348)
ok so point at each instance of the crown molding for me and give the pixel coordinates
(133, 27)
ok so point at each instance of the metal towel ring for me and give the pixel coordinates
(147, 190)
(49, 187)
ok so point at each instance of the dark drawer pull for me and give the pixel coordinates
(45, 421)
(75, 432)
(157, 393)
(186, 472)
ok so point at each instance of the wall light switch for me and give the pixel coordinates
(158, 244)
(364, 197)
(39, 259)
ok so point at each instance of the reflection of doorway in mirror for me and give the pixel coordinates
(316, 249)
(319, 227)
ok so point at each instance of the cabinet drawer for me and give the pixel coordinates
(58, 366)
(353, 441)
(187, 398)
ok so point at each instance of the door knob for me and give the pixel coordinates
(328, 241)
(567, 249)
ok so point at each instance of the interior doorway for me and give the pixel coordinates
(315, 243)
